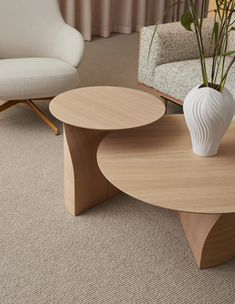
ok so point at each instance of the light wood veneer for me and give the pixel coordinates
(210, 236)
(156, 165)
(107, 108)
(84, 184)
(88, 114)
(148, 162)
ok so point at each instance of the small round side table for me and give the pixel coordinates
(88, 115)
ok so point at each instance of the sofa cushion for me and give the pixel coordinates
(178, 78)
(26, 78)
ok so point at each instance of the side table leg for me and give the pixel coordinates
(85, 185)
(210, 236)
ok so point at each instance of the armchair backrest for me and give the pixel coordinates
(28, 28)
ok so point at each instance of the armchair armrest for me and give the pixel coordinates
(68, 45)
(171, 43)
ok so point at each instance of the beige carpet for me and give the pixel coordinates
(123, 251)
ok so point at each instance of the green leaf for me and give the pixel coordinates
(215, 33)
(187, 21)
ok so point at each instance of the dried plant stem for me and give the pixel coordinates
(198, 29)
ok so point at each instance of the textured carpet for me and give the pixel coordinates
(122, 251)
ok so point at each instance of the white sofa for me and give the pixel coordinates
(173, 67)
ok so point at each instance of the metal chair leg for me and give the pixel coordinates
(43, 117)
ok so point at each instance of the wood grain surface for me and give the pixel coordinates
(210, 236)
(156, 165)
(107, 108)
(84, 184)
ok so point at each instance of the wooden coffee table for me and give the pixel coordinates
(88, 115)
(156, 165)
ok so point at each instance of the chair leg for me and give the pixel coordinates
(43, 117)
(9, 104)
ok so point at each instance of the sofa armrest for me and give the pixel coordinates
(68, 45)
(171, 43)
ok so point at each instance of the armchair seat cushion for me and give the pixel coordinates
(26, 78)
(176, 79)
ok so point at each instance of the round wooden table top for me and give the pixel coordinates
(107, 108)
(156, 165)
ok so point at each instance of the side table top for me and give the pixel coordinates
(107, 108)
(156, 165)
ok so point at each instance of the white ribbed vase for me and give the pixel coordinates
(208, 114)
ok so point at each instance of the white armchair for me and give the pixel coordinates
(39, 53)
(173, 67)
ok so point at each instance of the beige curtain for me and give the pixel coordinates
(102, 17)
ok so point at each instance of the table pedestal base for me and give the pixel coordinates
(85, 185)
(210, 236)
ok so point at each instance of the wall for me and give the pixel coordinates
(211, 6)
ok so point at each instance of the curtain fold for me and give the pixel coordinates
(102, 17)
